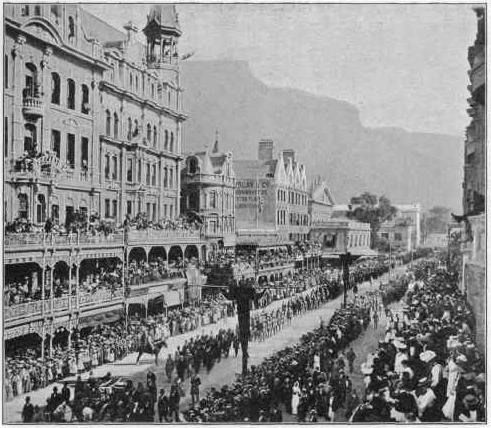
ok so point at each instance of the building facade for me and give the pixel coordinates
(474, 185)
(92, 119)
(272, 193)
(403, 232)
(92, 125)
(208, 189)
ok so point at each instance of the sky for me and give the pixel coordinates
(401, 65)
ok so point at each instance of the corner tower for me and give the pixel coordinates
(162, 32)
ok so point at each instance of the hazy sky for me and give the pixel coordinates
(401, 65)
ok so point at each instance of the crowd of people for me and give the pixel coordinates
(142, 222)
(142, 272)
(26, 371)
(427, 369)
(306, 380)
(23, 289)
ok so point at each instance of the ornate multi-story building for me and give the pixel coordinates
(474, 185)
(92, 124)
(272, 193)
(92, 120)
(208, 189)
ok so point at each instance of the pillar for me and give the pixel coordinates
(45, 142)
(17, 146)
(51, 290)
(51, 340)
(70, 265)
(43, 339)
(70, 333)
(77, 268)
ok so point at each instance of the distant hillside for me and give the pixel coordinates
(327, 134)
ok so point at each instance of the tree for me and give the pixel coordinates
(373, 210)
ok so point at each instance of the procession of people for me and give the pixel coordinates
(425, 369)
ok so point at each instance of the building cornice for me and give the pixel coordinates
(63, 49)
(110, 87)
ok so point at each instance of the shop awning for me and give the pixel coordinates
(172, 298)
(102, 318)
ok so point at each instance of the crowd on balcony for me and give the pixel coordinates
(302, 248)
(142, 222)
(142, 272)
(427, 368)
(25, 289)
(274, 257)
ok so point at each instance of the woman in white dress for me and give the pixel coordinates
(295, 397)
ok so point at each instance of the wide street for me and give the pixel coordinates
(222, 373)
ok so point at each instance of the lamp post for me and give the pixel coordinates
(244, 293)
(345, 262)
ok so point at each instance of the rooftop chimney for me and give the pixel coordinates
(289, 154)
(265, 150)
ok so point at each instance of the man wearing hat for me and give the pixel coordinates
(400, 356)
(426, 400)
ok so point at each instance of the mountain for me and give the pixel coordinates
(326, 133)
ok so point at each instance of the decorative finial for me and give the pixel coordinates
(215, 146)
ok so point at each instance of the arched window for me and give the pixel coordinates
(108, 123)
(166, 141)
(171, 177)
(171, 148)
(136, 83)
(70, 99)
(30, 138)
(116, 126)
(23, 206)
(85, 99)
(149, 133)
(129, 128)
(166, 176)
(41, 209)
(155, 136)
(32, 87)
(55, 88)
(135, 129)
(71, 27)
(131, 80)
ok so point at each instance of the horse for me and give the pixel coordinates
(147, 349)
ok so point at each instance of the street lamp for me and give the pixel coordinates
(345, 262)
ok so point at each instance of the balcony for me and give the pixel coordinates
(59, 305)
(49, 167)
(163, 236)
(32, 102)
(16, 241)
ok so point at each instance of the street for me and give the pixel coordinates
(222, 373)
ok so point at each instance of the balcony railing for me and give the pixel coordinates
(162, 236)
(32, 101)
(16, 240)
(61, 304)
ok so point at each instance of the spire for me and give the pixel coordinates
(215, 146)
